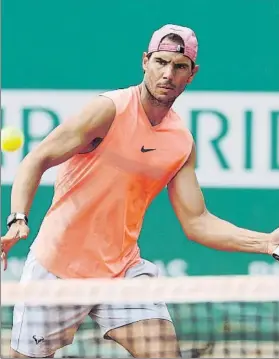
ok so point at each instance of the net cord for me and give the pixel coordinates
(192, 289)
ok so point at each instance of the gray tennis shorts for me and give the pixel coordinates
(39, 332)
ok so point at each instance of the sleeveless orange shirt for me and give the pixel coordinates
(100, 199)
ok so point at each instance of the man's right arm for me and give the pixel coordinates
(62, 143)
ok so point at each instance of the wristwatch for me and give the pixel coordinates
(16, 216)
(275, 254)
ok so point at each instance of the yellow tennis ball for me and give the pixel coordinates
(12, 139)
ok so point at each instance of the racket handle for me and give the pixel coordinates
(275, 254)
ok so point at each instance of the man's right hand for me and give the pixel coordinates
(17, 231)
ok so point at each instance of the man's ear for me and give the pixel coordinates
(144, 61)
(195, 70)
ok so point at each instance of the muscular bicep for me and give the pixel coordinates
(72, 136)
(185, 194)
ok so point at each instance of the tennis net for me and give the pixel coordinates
(214, 316)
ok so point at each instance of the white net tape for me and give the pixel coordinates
(175, 290)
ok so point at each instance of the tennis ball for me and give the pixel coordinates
(12, 139)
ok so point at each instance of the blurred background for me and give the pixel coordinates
(58, 54)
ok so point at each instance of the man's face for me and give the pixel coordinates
(166, 74)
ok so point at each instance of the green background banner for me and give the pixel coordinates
(89, 45)
(67, 44)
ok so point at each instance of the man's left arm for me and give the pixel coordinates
(203, 227)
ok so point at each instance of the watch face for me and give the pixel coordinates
(19, 216)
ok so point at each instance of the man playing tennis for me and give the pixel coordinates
(115, 157)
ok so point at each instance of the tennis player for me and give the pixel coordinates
(115, 157)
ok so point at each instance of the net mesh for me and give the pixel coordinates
(214, 317)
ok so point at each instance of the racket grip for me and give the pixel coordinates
(275, 254)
